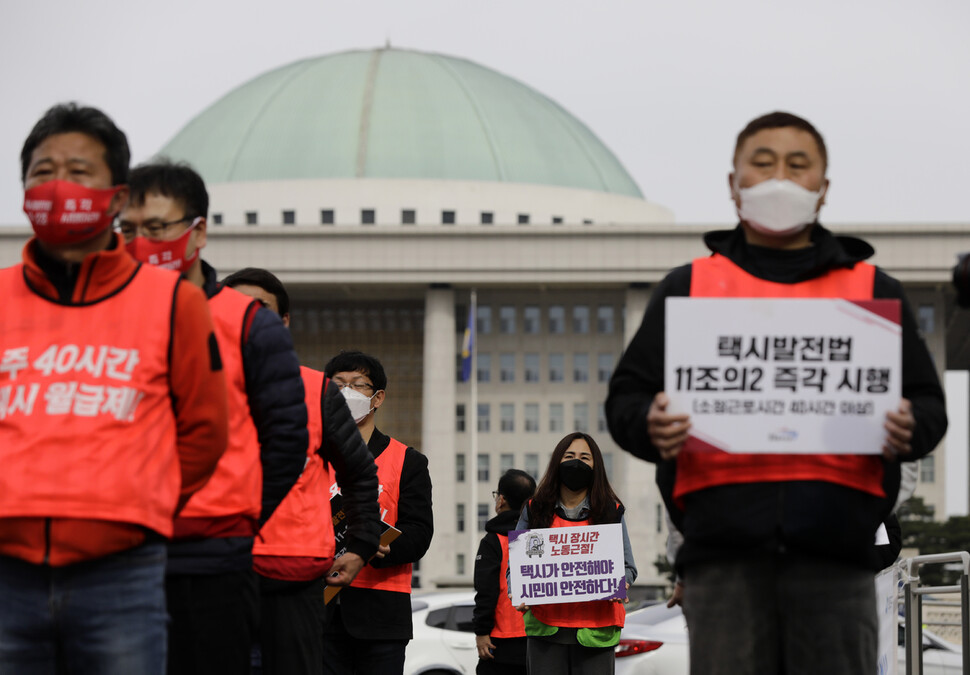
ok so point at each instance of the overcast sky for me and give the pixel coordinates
(666, 85)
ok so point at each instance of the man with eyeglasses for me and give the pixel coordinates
(499, 628)
(368, 625)
(102, 435)
(294, 551)
(211, 587)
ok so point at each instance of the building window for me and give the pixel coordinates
(460, 417)
(604, 319)
(367, 216)
(487, 218)
(506, 319)
(289, 217)
(557, 319)
(326, 216)
(532, 417)
(581, 319)
(523, 219)
(659, 519)
(608, 464)
(557, 220)
(506, 462)
(587, 221)
(459, 468)
(556, 417)
(581, 417)
(408, 217)
(532, 465)
(507, 415)
(252, 218)
(484, 371)
(601, 417)
(531, 367)
(217, 219)
(460, 564)
(580, 367)
(484, 417)
(447, 217)
(483, 466)
(482, 516)
(604, 366)
(483, 323)
(925, 318)
(530, 320)
(507, 367)
(460, 517)
(556, 367)
(927, 469)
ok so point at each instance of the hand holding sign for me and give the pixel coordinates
(667, 432)
(344, 569)
(899, 427)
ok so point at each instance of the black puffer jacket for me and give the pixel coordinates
(810, 518)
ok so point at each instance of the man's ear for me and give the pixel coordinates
(119, 201)
(735, 197)
(378, 399)
(201, 234)
(286, 319)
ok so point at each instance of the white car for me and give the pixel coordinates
(444, 639)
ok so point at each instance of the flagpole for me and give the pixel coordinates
(473, 416)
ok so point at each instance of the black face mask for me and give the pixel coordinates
(576, 474)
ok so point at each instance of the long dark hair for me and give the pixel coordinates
(602, 500)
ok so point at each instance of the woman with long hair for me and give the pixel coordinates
(575, 637)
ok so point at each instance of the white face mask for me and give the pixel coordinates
(358, 403)
(778, 206)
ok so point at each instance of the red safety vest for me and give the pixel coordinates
(236, 486)
(397, 577)
(87, 428)
(592, 614)
(701, 466)
(508, 622)
(300, 526)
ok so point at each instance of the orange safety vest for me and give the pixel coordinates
(236, 486)
(508, 622)
(397, 577)
(592, 614)
(701, 466)
(300, 526)
(87, 428)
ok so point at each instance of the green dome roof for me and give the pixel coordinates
(391, 113)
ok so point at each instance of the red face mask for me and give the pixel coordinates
(169, 255)
(62, 212)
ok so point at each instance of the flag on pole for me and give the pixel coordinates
(467, 344)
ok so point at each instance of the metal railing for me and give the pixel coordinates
(913, 593)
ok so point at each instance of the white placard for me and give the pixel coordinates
(566, 564)
(784, 375)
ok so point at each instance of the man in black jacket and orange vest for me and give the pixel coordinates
(211, 586)
(294, 551)
(112, 415)
(369, 623)
(777, 555)
(499, 628)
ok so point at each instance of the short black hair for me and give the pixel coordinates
(778, 120)
(65, 118)
(256, 276)
(357, 362)
(177, 181)
(516, 486)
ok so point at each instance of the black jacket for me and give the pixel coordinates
(274, 389)
(802, 517)
(488, 568)
(370, 614)
(355, 473)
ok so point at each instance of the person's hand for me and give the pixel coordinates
(344, 569)
(522, 608)
(678, 597)
(667, 432)
(625, 600)
(382, 551)
(899, 431)
(485, 647)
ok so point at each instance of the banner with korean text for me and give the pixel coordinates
(566, 564)
(784, 375)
